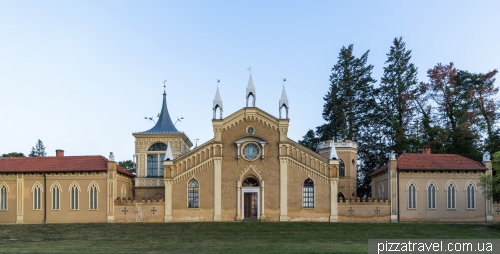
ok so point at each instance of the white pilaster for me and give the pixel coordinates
(217, 189)
(262, 215)
(238, 200)
(283, 190)
(20, 203)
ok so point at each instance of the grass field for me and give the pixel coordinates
(211, 237)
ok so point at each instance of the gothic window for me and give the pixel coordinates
(381, 191)
(431, 196)
(412, 196)
(251, 182)
(37, 197)
(93, 196)
(471, 204)
(73, 198)
(3, 198)
(193, 193)
(155, 159)
(56, 192)
(308, 194)
(123, 191)
(341, 168)
(451, 198)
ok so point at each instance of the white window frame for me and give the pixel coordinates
(197, 192)
(55, 191)
(313, 194)
(470, 191)
(453, 194)
(431, 195)
(412, 187)
(93, 191)
(74, 193)
(37, 196)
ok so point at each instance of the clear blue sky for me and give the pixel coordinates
(82, 75)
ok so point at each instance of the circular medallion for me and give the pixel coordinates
(250, 130)
(250, 151)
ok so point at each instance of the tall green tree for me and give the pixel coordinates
(448, 89)
(351, 111)
(13, 154)
(395, 96)
(38, 150)
(350, 98)
(485, 104)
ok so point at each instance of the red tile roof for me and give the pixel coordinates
(57, 164)
(412, 161)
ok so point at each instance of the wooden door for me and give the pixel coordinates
(250, 206)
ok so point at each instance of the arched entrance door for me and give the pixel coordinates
(251, 199)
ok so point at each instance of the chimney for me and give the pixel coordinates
(426, 151)
(59, 153)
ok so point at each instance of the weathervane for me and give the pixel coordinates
(218, 80)
(284, 79)
(164, 85)
(178, 120)
(250, 70)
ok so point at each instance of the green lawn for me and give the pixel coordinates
(233, 237)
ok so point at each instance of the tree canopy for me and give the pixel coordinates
(128, 165)
(13, 154)
(38, 150)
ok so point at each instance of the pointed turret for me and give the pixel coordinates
(168, 153)
(217, 103)
(284, 102)
(250, 90)
(333, 152)
(164, 124)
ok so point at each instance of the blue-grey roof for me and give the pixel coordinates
(164, 124)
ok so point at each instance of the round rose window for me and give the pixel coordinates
(250, 151)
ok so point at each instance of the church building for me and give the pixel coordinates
(250, 170)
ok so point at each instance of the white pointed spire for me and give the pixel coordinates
(217, 101)
(168, 153)
(283, 100)
(333, 152)
(250, 90)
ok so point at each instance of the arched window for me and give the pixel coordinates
(412, 196)
(251, 182)
(471, 202)
(451, 198)
(56, 192)
(381, 191)
(124, 191)
(341, 168)
(37, 197)
(308, 194)
(93, 196)
(431, 196)
(193, 191)
(156, 155)
(73, 198)
(3, 198)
